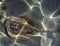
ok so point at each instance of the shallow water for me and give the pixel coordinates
(43, 13)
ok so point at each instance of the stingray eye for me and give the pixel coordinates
(13, 26)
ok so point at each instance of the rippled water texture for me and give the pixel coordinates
(44, 15)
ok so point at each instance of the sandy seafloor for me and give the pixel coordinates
(16, 8)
